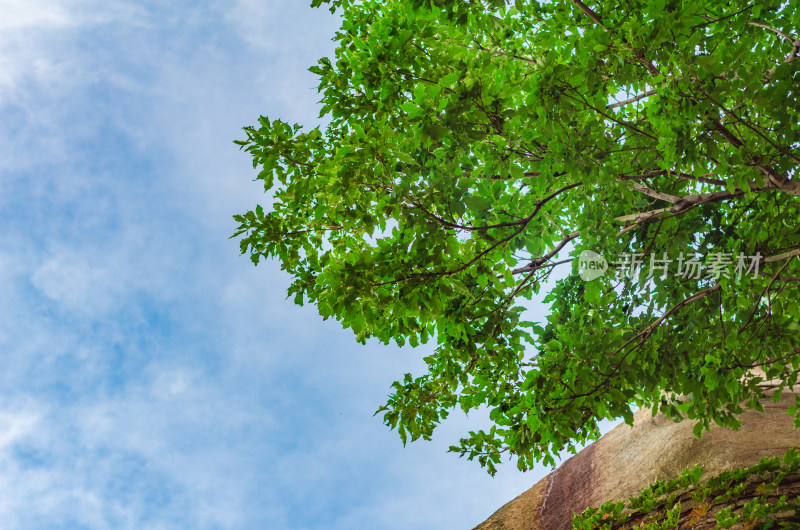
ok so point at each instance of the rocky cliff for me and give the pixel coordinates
(628, 459)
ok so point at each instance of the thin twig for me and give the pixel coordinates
(633, 99)
(590, 13)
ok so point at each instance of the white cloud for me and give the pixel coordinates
(142, 459)
(170, 384)
(22, 22)
(25, 14)
(76, 285)
(15, 425)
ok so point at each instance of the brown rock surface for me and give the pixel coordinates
(628, 459)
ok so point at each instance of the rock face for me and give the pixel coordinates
(628, 459)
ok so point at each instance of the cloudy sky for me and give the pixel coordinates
(150, 377)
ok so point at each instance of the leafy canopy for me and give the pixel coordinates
(469, 142)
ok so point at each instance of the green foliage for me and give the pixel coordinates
(469, 142)
(744, 496)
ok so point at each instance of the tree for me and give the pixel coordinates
(468, 143)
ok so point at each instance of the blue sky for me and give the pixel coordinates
(151, 377)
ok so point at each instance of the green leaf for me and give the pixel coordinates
(465, 143)
(697, 430)
(476, 203)
(405, 158)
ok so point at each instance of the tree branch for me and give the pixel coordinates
(632, 100)
(538, 263)
(643, 335)
(655, 194)
(692, 201)
(684, 203)
(785, 255)
(481, 254)
(590, 13)
(714, 20)
(686, 176)
(774, 30)
(758, 300)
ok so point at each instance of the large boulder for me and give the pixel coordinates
(628, 459)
